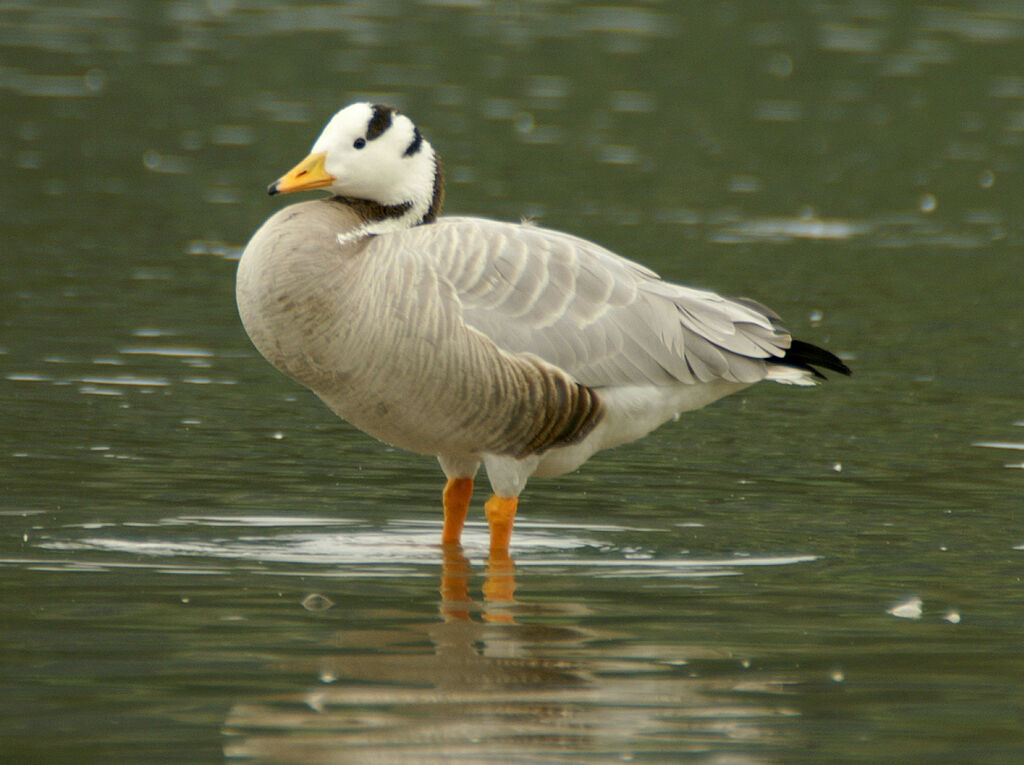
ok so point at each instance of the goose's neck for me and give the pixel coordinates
(379, 218)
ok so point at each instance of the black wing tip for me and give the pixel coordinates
(807, 356)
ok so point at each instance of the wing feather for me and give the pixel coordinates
(604, 319)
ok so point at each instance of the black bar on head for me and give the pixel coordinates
(379, 122)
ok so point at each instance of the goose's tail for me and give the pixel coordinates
(799, 364)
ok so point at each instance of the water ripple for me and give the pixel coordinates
(403, 543)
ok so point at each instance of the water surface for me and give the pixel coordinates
(201, 563)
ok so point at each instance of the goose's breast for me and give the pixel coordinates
(293, 295)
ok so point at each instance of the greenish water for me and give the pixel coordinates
(739, 587)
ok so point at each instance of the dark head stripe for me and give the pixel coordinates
(379, 122)
(417, 141)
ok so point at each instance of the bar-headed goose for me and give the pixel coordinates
(481, 341)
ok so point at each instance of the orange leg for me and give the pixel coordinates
(457, 493)
(501, 513)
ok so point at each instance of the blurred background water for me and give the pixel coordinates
(200, 562)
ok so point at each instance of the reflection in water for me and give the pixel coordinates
(496, 690)
(499, 586)
(493, 679)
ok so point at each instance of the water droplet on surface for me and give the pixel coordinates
(315, 701)
(316, 602)
(95, 80)
(909, 609)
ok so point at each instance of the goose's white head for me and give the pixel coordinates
(376, 158)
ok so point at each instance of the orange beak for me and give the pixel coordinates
(308, 174)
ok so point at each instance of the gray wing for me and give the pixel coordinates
(604, 319)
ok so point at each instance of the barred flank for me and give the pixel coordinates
(570, 412)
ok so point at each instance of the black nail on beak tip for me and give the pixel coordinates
(272, 188)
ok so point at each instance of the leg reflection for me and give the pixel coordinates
(455, 571)
(499, 586)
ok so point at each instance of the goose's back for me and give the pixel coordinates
(606, 320)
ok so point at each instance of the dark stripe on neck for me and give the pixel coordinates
(372, 212)
(379, 122)
(417, 142)
(438, 199)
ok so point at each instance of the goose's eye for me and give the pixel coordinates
(359, 143)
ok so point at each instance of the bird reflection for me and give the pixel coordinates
(484, 683)
(499, 586)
